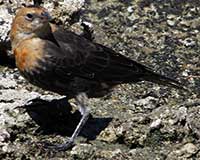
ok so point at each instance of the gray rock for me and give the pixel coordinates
(137, 121)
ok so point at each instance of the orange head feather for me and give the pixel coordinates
(29, 22)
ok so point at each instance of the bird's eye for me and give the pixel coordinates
(29, 16)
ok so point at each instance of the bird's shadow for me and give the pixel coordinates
(55, 117)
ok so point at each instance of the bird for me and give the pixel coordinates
(63, 62)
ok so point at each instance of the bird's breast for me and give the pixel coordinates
(28, 54)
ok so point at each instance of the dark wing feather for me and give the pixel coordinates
(93, 61)
(74, 56)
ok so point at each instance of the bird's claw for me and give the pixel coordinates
(59, 147)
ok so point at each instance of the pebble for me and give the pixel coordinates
(156, 124)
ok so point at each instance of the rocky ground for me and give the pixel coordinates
(138, 121)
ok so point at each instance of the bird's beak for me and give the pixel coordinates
(46, 16)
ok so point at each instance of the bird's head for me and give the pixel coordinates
(28, 22)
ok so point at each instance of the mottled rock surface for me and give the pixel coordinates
(138, 121)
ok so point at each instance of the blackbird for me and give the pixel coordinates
(69, 64)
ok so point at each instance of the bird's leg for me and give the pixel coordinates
(81, 102)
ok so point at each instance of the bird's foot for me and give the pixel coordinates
(59, 147)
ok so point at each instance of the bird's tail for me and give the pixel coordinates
(163, 80)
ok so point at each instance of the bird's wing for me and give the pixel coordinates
(82, 58)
